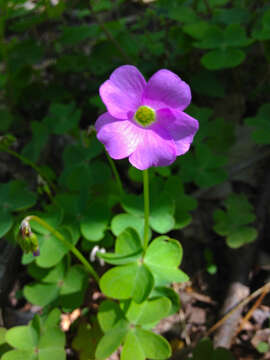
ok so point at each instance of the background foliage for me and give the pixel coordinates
(53, 58)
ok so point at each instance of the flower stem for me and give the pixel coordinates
(67, 244)
(116, 174)
(146, 207)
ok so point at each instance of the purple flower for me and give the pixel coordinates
(145, 121)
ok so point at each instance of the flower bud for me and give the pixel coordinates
(27, 240)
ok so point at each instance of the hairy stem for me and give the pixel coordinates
(67, 244)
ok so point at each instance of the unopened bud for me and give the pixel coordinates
(27, 240)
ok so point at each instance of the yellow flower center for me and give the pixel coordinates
(145, 116)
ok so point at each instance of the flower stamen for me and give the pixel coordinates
(145, 116)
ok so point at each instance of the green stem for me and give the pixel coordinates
(67, 244)
(27, 162)
(116, 174)
(146, 207)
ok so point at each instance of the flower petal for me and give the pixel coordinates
(166, 89)
(180, 126)
(156, 149)
(120, 137)
(122, 93)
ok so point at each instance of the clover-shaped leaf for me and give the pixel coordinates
(235, 15)
(222, 59)
(233, 223)
(163, 257)
(73, 35)
(161, 207)
(39, 340)
(40, 135)
(128, 281)
(62, 118)
(149, 311)
(14, 196)
(95, 221)
(223, 43)
(144, 344)
(66, 287)
(86, 338)
(182, 202)
(127, 327)
(261, 125)
(121, 222)
(112, 339)
(203, 167)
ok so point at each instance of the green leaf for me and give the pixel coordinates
(40, 136)
(159, 291)
(41, 294)
(52, 344)
(163, 257)
(2, 335)
(39, 340)
(15, 196)
(112, 340)
(235, 36)
(203, 167)
(85, 341)
(95, 221)
(153, 345)
(21, 337)
(128, 242)
(261, 125)
(182, 14)
(115, 259)
(182, 202)
(263, 347)
(123, 221)
(123, 282)
(204, 350)
(242, 236)
(161, 213)
(235, 15)
(6, 221)
(232, 222)
(149, 311)
(20, 355)
(222, 59)
(109, 313)
(263, 31)
(197, 30)
(132, 349)
(52, 250)
(73, 35)
(73, 288)
(143, 284)
(62, 118)
(212, 39)
(51, 275)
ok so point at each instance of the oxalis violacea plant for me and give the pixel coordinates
(145, 123)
